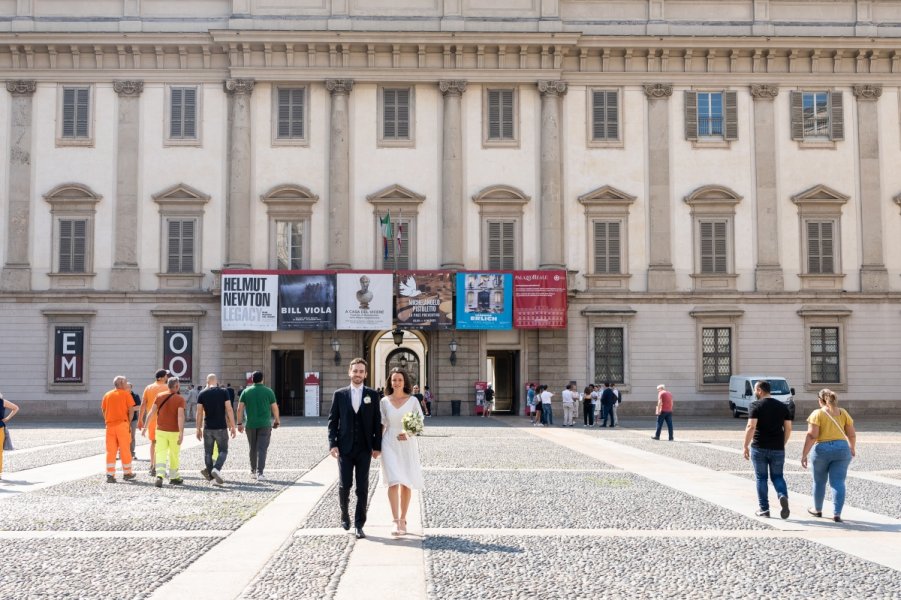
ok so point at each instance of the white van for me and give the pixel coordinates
(741, 393)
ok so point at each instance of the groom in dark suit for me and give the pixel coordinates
(355, 438)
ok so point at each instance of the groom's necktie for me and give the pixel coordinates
(355, 398)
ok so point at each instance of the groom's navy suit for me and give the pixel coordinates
(356, 435)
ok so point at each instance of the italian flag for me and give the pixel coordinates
(386, 233)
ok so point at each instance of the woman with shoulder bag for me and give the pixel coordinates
(5, 418)
(831, 435)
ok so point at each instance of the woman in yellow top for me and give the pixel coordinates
(830, 432)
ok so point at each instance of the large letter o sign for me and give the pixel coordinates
(178, 355)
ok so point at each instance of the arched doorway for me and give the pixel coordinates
(405, 359)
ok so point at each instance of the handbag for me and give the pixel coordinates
(7, 441)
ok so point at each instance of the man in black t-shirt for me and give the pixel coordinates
(770, 427)
(215, 421)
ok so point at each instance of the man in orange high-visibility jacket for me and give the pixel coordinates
(149, 397)
(118, 407)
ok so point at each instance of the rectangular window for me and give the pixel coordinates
(824, 355)
(291, 113)
(716, 356)
(714, 247)
(710, 114)
(820, 247)
(76, 113)
(609, 355)
(180, 235)
(607, 247)
(604, 115)
(398, 249)
(183, 113)
(73, 245)
(501, 245)
(289, 245)
(396, 114)
(815, 114)
(500, 115)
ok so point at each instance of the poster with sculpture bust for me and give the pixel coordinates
(365, 300)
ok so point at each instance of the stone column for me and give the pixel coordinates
(551, 196)
(339, 222)
(238, 199)
(661, 275)
(768, 274)
(17, 270)
(452, 198)
(125, 275)
(873, 274)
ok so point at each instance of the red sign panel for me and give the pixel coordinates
(539, 299)
(68, 355)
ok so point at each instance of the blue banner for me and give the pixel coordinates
(484, 300)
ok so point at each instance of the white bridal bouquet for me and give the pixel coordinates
(412, 423)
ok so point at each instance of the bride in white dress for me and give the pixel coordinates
(401, 471)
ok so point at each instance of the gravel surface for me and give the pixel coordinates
(93, 568)
(697, 454)
(467, 499)
(882, 456)
(307, 567)
(91, 504)
(466, 568)
(327, 512)
(502, 453)
(285, 452)
(31, 435)
(471, 427)
(19, 461)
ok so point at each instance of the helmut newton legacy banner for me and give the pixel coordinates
(365, 300)
(306, 301)
(249, 301)
(425, 299)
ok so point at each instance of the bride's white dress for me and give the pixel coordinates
(400, 460)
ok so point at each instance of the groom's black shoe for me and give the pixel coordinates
(360, 534)
(345, 523)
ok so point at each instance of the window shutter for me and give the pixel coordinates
(827, 262)
(494, 114)
(612, 115)
(691, 115)
(730, 108)
(614, 265)
(296, 248)
(297, 99)
(507, 114)
(600, 248)
(494, 245)
(403, 114)
(509, 246)
(68, 112)
(79, 241)
(176, 114)
(706, 233)
(796, 100)
(187, 248)
(598, 116)
(837, 115)
(174, 246)
(65, 246)
(290, 113)
(81, 112)
(190, 113)
(719, 248)
(403, 257)
(389, 99)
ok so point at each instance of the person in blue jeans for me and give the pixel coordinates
(831, 443)
(769, 429)
(547, 414)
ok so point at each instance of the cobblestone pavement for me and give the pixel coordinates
(507, 513)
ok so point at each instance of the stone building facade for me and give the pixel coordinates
(719, 187)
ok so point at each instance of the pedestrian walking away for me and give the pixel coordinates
(831, 443)
(768, 431)
(588, 406)
(619, 400)
(568, 400)
(428, 401)
(215, 423)
(133, 426)
(262, 417)
(608, 401)
(664, 411)
(145, 423)
(118, 407)
(355, 438)
(169, 410)
(191, 400)
(8, 410)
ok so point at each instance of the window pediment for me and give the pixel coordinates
(290, 199)
(713, 199)
(181, 198)
(605, 196)
(396, 197)
(72, 196)
(820, 195)
(501, 200)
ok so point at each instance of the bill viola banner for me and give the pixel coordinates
(425, 300)
(306, 301)
(249, 301)
(539, 299)
(365, 300)
(484, 301)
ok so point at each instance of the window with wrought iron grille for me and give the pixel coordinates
(716, 354)
(180, 245)
(289, 245)
(824, 355)
(609, 355)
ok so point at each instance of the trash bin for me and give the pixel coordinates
(455, 408)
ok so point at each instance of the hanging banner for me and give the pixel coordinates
(484, 301)
(178, 352)
(425, 299)
(249, 302)
(539, 299)
(365, 300)
(306, 301)
(68, 355)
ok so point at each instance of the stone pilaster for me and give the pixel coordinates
(238, 199)
(452, 199)
(661, 275)
(16, 274)
(873, 274)
(125, 275)
(551, 172)
(339, 175)
(768, 273)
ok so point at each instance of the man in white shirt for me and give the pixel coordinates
(547, 415)
(596, 403)
(619, 399)
(568, 405)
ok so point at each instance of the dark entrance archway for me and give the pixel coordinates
(405, 359)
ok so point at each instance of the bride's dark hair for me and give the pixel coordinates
(407, 387)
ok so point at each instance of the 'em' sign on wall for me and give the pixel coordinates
(68, 355)
(178, 352)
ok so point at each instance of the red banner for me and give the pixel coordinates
(539, 299)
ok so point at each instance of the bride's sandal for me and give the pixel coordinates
(396, 531)
(401, 527)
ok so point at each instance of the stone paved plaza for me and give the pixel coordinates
(509, 511)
